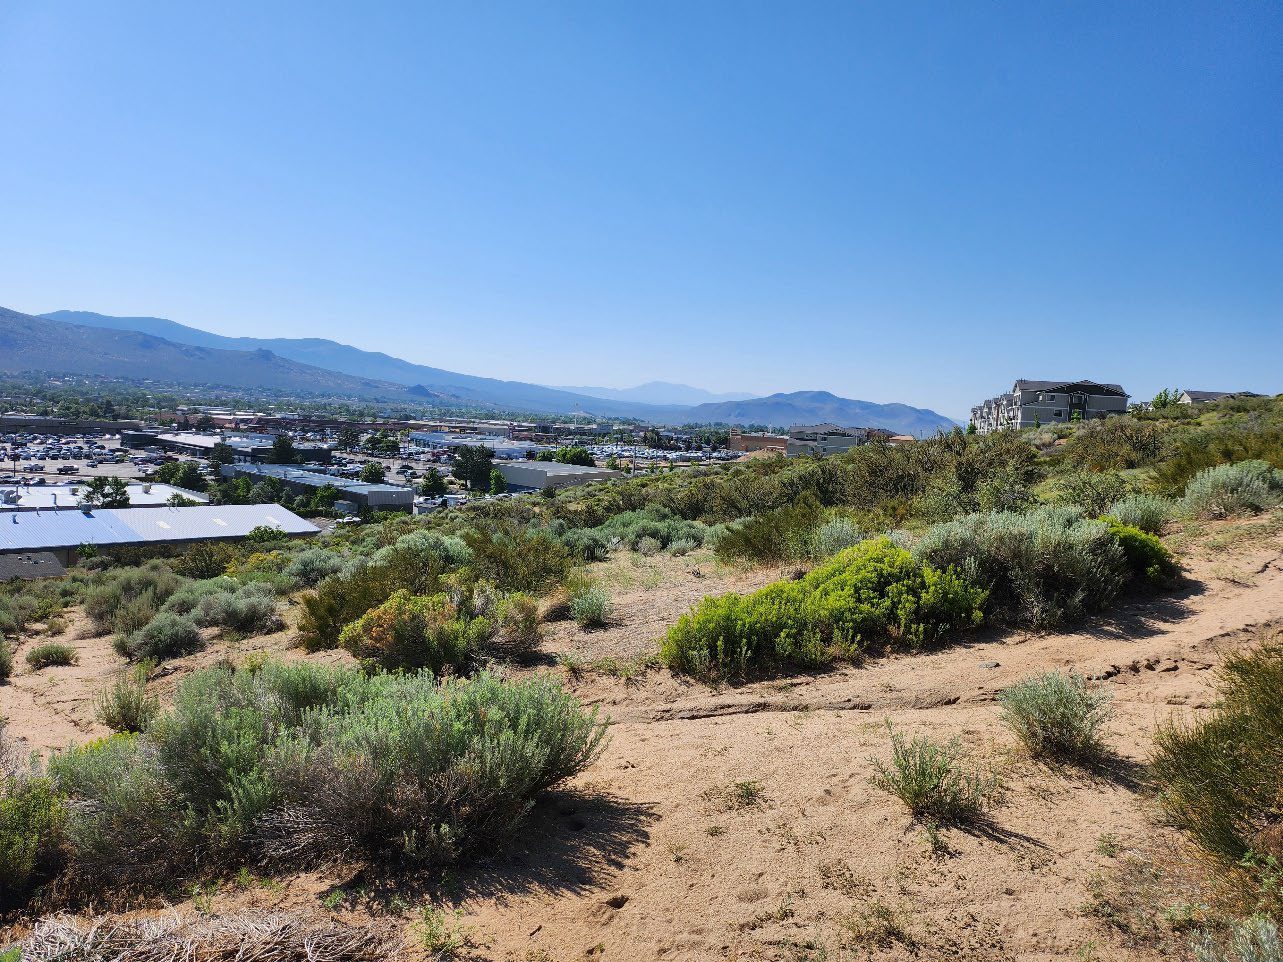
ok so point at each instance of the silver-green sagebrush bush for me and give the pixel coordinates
(1148, 512)
(1043, 568)
(1255, 939)
(296, 763)
(1227, 490)
(1057, 714)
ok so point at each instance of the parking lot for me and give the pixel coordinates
(42, 459)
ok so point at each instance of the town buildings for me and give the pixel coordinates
(353, 495)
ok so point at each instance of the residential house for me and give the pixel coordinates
(1032, 403)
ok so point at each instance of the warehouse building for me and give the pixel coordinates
(502, 448)
(51, 497)
(251, 447)
(537, 475)
(356, 494)
(62, 533)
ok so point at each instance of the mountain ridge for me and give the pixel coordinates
(330, 366)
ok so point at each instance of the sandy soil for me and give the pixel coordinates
(740, 823)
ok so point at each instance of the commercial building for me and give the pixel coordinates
(537, 475)
(35, 424)
(250, 447)
(503, 448)
(1032, 403)
(357, 494)
(816, 439)
(48, 497)
(750, 441)
(63, 532)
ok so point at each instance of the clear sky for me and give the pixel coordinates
(895, 201)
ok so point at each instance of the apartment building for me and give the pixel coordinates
(1032, 403)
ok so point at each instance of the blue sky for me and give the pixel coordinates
(893, 202)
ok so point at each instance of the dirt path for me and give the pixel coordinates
(741, 823)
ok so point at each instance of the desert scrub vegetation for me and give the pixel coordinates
(1229, 490)
(1057, 714)
(1092, 491)
(6, 659)
(126, 706)
(874, 592)
(1254, 939)
(1147, 557)
(165, 636)
(1043, 568)
(589, 606)
(298, 763)
(416, 632)
(1218, 778)
(50, 655)
(934, 780)
(123, 600)
(1148, 512)
(30, 820)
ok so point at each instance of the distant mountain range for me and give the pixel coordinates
(659, 392)
(821, 407)
(86, 343)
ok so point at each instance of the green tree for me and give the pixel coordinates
(373, 473)
(103, 492)
(283, 450)
(182, 474)
(348, 439)
(971, 428)
(472, 466)
(498, 484)
(222, 453)
(324, 497)
(432, 485)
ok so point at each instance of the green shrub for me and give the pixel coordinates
(6, 659)
(1224, 444)
(294, 763)
(250, 611)
(514, 558)
(342, 598)
(207, 559)
(866, 594)
(1145, 511)
(836, 534)
(1091, 491)
(415, 631)
(186, 599)
(1113, 444)
(126, 706)
(310, 567)
(1042, 568)
(778, 535)
(51, 654)
(124, 599)
(1057, 714)
(682, 546)
(1147, 556)
(590, 606)
(518, 616)
(1227, 490)
(1255, 939)
(933, 780)
(30, 819)
(1218, 777)
(586, 544)
(166, 636)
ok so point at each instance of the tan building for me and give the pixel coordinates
(739, 441)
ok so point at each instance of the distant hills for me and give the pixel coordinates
(29, 343)
(83, 342)
(821, 407)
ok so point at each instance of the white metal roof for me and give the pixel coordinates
(67, 528)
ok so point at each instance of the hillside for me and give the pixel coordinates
(513, 395)
(818, 407)
(656, 402)
(31, 344)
